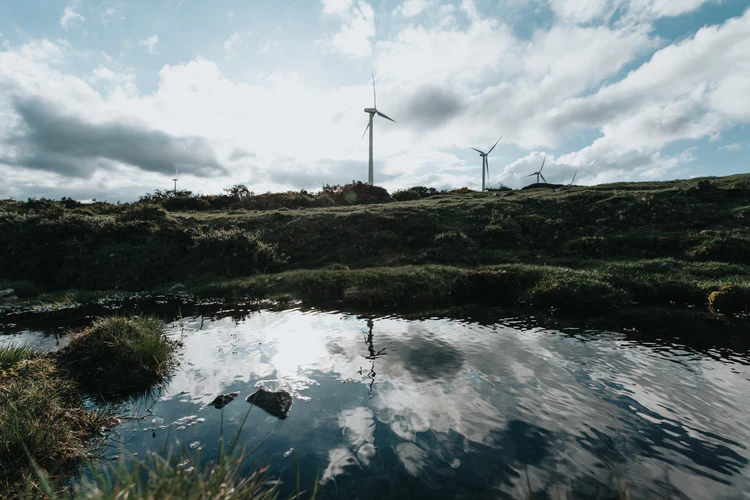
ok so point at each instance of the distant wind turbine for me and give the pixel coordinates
(574, 178)
(175, 180)
(539, 173)
(485, 161)
(372, 112)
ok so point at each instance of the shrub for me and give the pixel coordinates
(178, 203)
(356, 193)
(407, 195)
(450, 246)
(144, 212)
(117, 356)
(228, 252)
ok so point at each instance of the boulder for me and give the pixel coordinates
(277, 403)
(222, 400)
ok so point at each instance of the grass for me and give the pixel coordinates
(117, 356)
(234, 475)
(13, 354)
(587, 246)
(42, 420)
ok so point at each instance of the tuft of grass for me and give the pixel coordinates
(42, 421)
(12, 354)
(118, 356)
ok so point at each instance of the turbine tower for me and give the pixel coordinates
(485, 161)
(175, 181)
(539, 173)
(372, 112)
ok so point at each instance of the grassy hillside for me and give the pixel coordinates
(661, 242)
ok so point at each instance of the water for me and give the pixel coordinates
(389, 407)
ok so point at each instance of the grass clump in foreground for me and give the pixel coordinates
(118, 356)
(12, 355)
(171, 477)
(42, 418)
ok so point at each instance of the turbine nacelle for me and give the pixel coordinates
(371, 110)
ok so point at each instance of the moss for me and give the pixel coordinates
(117, 356)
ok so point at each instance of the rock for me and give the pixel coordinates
(277, 404)
(177, 287)
(222, 400)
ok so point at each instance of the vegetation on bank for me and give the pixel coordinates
(44, 422)
(680, 242)
(43, 418)
(117, 356)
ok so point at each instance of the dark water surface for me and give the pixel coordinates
(440, 407)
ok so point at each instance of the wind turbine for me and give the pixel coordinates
(485, 161)
(539, 174)
(175, 181)
(372, 112)
(574, 178)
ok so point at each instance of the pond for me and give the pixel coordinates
(481, 404)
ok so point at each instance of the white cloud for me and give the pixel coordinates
(230, 42)
(42, 51)
(112, 11)
(411, 8)
(357, 28)
(70, 16)
(150, 44)
(268, 45)
(735, 146)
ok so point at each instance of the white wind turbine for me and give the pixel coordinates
(175, 180)
(539, 173)
(485, 161)
(372, 112)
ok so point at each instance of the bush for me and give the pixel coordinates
(449, 247)
(178, 203)
(730, 299)
(356, 193)
(229, 252)
(118, 356)
(144, 212)
(407, 195)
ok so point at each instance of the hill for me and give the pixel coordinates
(684, 243)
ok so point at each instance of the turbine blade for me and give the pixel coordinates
(374, 97)
(480, 152)
(493, 147)
(366, 128)
(386, 117)
(545, 159)
(545, 180)
(574, 177)
(531, 175)
(487, 166)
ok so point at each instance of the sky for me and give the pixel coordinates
(106, 99)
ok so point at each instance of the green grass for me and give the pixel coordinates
(42, 419)
(12, 354)
(117, 356)
(587, 246)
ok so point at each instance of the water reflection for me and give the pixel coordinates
(455, 407)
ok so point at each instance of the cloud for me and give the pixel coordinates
(270, 44)
(735, 146)
(113, 11)
(42, 51)
(411, 8)
(150, 43)
(432, 106)
(70, 16)
(357, 28)
(72, 146)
